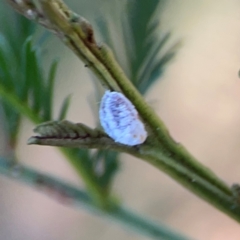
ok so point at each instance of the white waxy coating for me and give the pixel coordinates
(120, 120)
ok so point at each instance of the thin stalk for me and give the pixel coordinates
(220, 197)
(73, 196)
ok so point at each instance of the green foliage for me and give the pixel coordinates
(110, 165)
(25, 90)
(16, 29)
(11, 77)
(101, 164)
(64, 108)
(143, 45)
(22, 79)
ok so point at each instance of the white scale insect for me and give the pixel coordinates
(120, 120)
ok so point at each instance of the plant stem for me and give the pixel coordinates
(220, 197)
(68, 194)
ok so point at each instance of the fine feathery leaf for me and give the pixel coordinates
(49, 92)
(16, 31)
(153, 66)
(6, 58)
(12, 79)
(143, 46)
(8, 75)
(106, 166)
(64, 108)
(22, 82)
(101, 164)
(146, 45)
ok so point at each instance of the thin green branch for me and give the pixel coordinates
(77, 135)
(73, 196)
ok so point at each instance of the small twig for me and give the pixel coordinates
(51, 134)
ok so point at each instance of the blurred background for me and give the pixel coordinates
(198, 98)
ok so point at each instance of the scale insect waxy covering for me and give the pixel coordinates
(120, 120)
